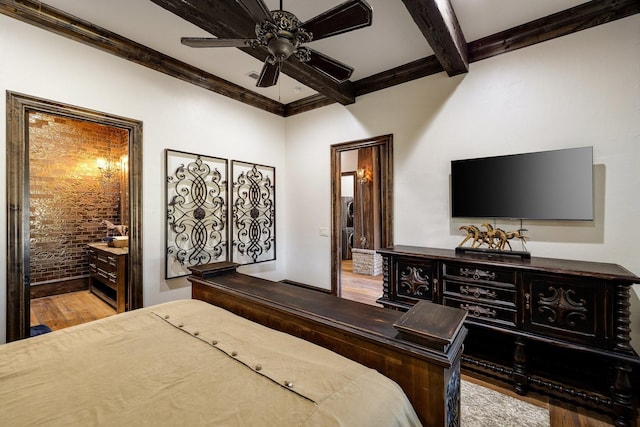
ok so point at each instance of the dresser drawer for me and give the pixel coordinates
(484, 313)
(482, 273)
(480, 291)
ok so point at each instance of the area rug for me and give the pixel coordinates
(39, 330)
(482, 407)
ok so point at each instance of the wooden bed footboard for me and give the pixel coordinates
(421, 354)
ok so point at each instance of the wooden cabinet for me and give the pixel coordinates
(108, 274)
(560, 327)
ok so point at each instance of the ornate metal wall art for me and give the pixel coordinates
(253, 222)
(196, 231)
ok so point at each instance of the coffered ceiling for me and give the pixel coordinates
(408, 39)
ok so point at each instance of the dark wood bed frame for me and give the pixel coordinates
(421, 353)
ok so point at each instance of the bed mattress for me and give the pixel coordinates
(189, 363)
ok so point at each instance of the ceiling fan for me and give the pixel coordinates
(283, 35)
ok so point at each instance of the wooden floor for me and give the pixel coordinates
(359, 287)
(62, 311)
(368, 289)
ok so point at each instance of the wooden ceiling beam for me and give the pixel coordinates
(438, 23)
(581, 17)
(225, 19)
(61, 23)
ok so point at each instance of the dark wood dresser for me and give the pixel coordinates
(559, 327)
(108, 274)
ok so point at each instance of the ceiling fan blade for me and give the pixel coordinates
(212, 42)
(329, 66)
(348, 16)
(269, 74)
(256, 9)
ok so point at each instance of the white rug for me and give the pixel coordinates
(482, 407)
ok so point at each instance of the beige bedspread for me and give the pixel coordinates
(189, 363)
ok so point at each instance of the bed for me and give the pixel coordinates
(420, 350)
(189, 363)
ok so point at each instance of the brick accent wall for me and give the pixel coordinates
(69, 197)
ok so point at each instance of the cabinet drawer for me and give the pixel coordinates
(484, 313)
(483, 273)
(503, 295)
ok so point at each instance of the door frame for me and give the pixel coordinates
(17, 169)
(385, 144)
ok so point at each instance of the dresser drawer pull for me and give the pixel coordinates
(92, 266)
(103, 273)
(477, 311)
(527, 301)
(477, 274)
(113, 277)
(478, 292)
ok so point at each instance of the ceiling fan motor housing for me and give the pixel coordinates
(283, 36)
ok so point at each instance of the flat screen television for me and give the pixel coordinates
(549, 185)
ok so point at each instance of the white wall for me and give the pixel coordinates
(175, 115)
(578, 90)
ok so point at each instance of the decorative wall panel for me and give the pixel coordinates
(197, 198)
(253, 222)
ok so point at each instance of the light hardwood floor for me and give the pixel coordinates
(74, 308)
(359, 287)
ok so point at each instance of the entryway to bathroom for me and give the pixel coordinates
(74, 187)
(78, 184)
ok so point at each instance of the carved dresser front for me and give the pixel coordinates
(559, 327)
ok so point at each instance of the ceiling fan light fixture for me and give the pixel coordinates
(281, 48)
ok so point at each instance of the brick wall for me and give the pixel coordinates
(68, 195)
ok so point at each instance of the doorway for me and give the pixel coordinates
(20, 109)
(372, 181)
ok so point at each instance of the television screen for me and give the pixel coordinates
(554, 184)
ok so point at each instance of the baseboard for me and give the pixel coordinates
(59, 287)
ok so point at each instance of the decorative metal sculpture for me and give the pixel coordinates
(493, 238)
(197, 231)
(115, 230)
(254, 213)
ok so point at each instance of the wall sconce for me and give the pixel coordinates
(363, 175)
(107, 167)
